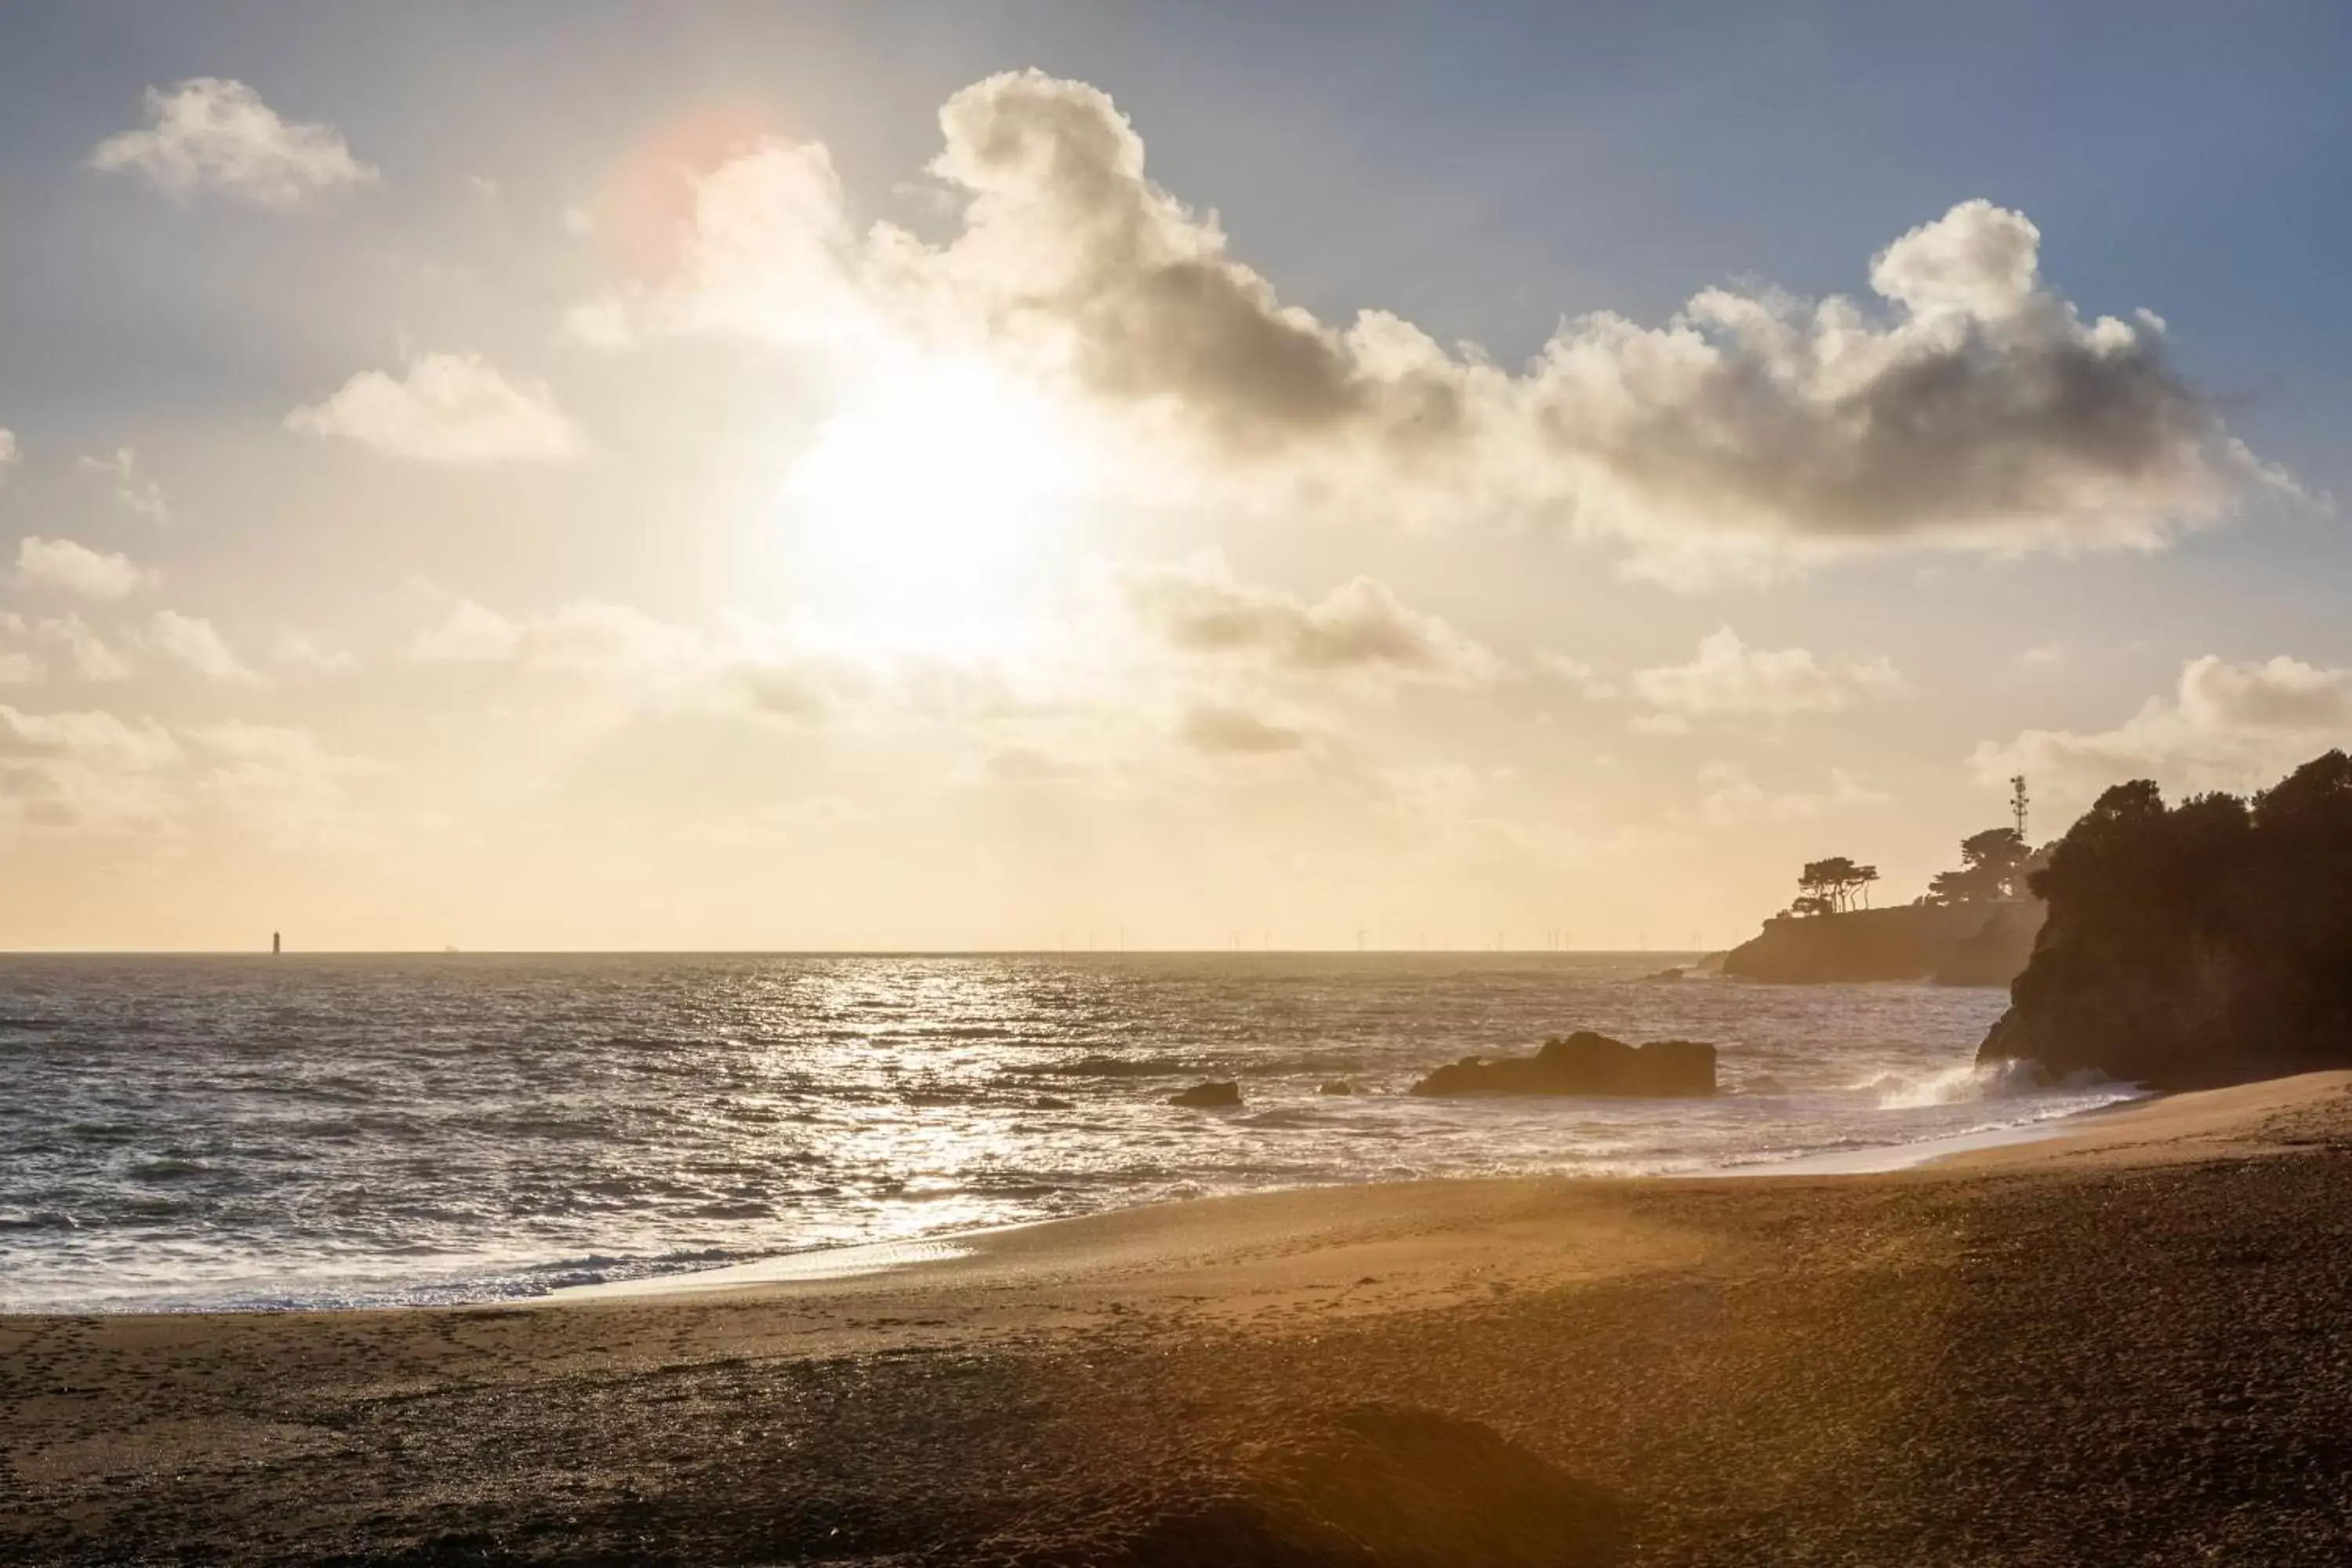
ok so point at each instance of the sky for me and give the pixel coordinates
(593, 476)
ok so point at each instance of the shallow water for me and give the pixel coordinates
(317, 1131)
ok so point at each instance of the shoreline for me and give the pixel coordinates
(2150, 1129)
(855, 1259)
(2107, 1345)
(848, 1259)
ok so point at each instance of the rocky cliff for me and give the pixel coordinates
(1953, 944)
(2196, 945)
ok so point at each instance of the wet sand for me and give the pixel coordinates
(2129, 1343)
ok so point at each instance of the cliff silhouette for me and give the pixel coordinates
(1982, 943)
(1974, 925)
(2195, 945)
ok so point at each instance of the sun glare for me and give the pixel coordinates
(935, 493)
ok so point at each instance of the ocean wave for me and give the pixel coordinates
(408, 1132)
(169, 1168)
(1119, 1067)
(1973, 1082)
(1322, 1065)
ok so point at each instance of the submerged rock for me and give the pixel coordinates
(1585, 1063)
(1208, 1096)
(1337, 1086)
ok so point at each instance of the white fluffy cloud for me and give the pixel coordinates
(28, 651)
(1727, 678)
(143, 495)
(88, 655)
(10, 454)
(1968, 406)
(209, 134)
(2224, 725)
(446, 408)
(68, 567)
(1359, 628)
(194, 643)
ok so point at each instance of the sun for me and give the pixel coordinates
(936, 492)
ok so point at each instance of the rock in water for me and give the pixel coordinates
(1585, 1063)
(1337, 1086)
(1209, 1096)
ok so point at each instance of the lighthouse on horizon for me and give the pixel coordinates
(277, 942)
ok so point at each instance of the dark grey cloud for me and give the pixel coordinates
(1965, 404)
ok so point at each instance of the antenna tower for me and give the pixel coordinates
(2018, 801)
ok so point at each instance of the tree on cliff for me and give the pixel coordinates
(1830, 887)
(1993, 865)
(2204, 943)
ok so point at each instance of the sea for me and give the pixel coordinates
(309, 1132)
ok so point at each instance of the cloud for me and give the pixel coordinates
(1217, 730)
(1198, 607)
(1729, 679)
(277, 782)
(27, 647)
(209, 134)
(587, 637)
(71, 568)
(92, 657)
(1968, 405)
(2224, 725)
(141, 495)
(298, 651)
(446, 408)
(600, 324)
(86, 770)
(19, 665)
(94, 771)
(1588, 680)
(1734, 799)
(194, 643)
(93, 737)
(765, 254)
(10, 454)
(743, 667)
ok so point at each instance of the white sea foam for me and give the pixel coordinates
(1972, 1082)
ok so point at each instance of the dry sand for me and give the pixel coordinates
(2129, 1343)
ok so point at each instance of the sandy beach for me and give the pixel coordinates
(2130, 1342)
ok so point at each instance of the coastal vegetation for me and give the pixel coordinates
(1974, 925)
(2197, 944)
